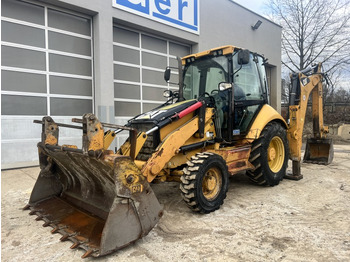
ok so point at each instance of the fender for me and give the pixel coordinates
(265, 116)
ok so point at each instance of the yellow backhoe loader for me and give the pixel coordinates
(218, 124)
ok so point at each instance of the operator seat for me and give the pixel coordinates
(239, 94)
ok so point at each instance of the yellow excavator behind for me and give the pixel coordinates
(217, 124)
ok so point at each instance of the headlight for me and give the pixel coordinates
(167, 93)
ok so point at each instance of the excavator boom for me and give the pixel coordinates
(319, 150)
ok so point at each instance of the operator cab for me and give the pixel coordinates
(213, 77)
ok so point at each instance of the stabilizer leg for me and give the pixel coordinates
(296, 173)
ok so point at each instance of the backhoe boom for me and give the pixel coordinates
(318, 149)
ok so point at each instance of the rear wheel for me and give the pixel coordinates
(269, 155)
(205, 182)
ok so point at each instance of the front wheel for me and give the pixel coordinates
(205, 182)
(269, 156)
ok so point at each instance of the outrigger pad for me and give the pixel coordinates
(319, 151)
(296, 171)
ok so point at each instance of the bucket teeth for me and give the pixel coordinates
(64, 237)
(26, 207)
(85, 200)
(39, 217)
(75, 245)
(47, 223)
(54, 230)
(87, 253)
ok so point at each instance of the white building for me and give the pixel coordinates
(65, 58)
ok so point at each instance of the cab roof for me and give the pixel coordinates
(226, 49)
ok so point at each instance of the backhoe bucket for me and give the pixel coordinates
(319, 151)
(98, 200)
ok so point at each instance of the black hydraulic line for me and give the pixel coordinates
(293, 99)
(181, 80)
(196, 145)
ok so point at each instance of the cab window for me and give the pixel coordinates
(246, 80)
(204, 75)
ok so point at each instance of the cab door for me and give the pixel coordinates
(249, 92)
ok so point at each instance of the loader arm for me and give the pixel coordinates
(303, 84)
(171, 145)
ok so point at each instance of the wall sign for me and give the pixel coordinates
(183, 14)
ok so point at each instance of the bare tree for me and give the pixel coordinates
(313, 31)
(285, 89)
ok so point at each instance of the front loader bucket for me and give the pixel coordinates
(100, 203)
(319, 151)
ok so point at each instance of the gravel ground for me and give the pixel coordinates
(306, 220)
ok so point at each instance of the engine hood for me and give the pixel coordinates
(159, 114)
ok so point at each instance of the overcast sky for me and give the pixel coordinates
(254, 5)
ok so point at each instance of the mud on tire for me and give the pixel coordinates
(205, 182)
(269, 155)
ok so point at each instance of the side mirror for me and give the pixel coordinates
(224, 85)
(243, 57)
(167, 73)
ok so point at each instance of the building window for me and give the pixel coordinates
(47, 60)
(139, 63)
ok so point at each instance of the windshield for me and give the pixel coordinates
(204, 75)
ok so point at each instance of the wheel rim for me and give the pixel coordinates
(212, 183)
(275, 154)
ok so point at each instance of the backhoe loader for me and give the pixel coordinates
(218, 124)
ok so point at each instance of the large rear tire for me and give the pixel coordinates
(205, 182)
(269, 155)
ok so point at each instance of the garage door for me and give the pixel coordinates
(47, 69)
(139, 63)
